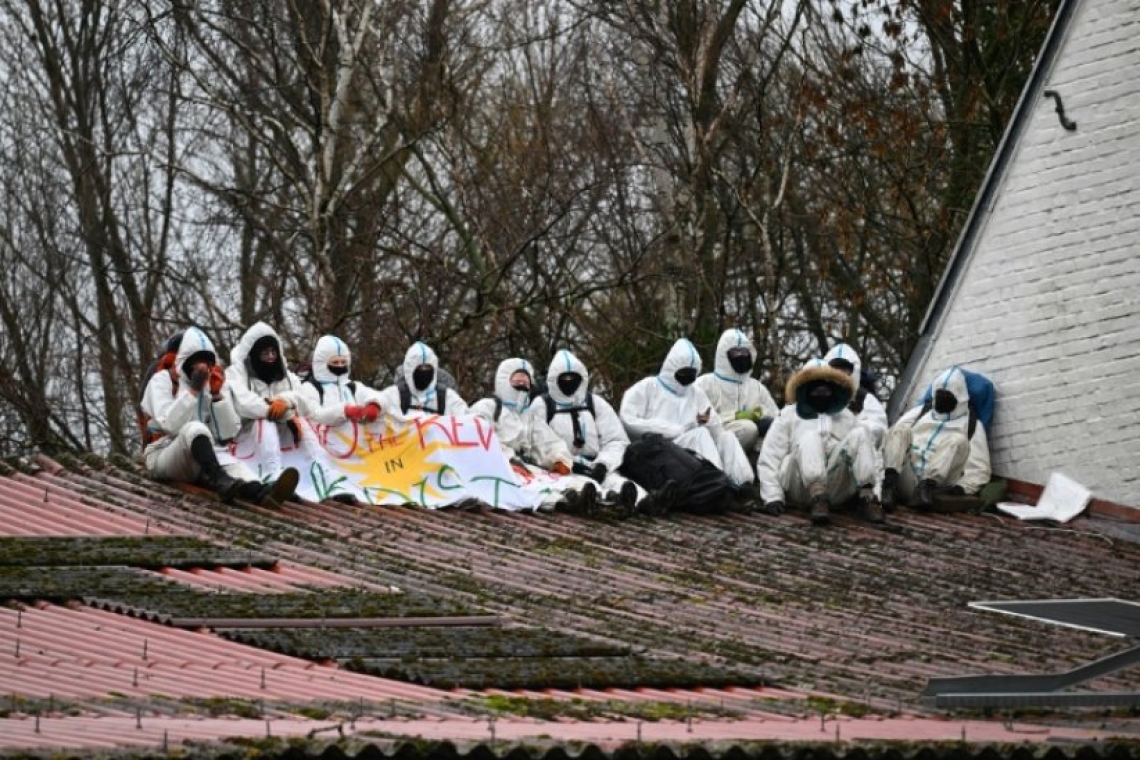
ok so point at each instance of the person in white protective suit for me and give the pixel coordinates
(595, 434)
(867, 408)
(940, 448)
(670, 405)
(744, 405)
(529, 442)
(192, 419)
(267, 397)
(331, 396)
(816, 453)
(421, 393)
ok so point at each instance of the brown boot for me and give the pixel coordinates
(870, 509)
(924, 495)
(819, 511)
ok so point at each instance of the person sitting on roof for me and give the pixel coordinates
(595, 434)
(670, 405)
(816, 452)
(192, 418)
(331, 396)
(267, 397)
(421, 393)
(529, 442)
(866, 406)
(744, 405)
(936, 447)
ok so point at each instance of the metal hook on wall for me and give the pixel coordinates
(1065, 122)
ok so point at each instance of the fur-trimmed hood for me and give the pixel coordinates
(815, 371)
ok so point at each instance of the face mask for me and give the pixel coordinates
(842, 365)
(342, 370)
(568, 382)
(944, 401)
(522, 388)
(740, 360)
(422, 377)
(821, 398)
(686, 375)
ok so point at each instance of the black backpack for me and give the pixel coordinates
(307, 377)
(552, 409)
(703, 487)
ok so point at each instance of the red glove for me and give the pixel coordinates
(561, 468)
(354, 412)
(217, 380)
(278, 408)
(371, 412)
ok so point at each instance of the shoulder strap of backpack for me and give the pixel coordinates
(405, 398)
(320, 388)
(549, 407)
(972, 425)
(498, 408)
(590, 404)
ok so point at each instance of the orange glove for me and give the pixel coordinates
(354, 412)
(561, 468)
(217, 380)
(371, 412)
(278, 408)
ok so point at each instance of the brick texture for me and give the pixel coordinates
(1049, 302)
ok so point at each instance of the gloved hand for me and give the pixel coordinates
(599, 472)
(745, 414)
(278, 408)
(354, 412)
(561, 468)
(774, 508)
(581, 468)
(199, 377)
(371, 412)
(217, 380)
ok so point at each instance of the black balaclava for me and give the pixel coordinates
(944, 401)
(842, 365)
(337, 370)
(194, 358)
(820, 396)
(568, 383)
(267, 372)
(422, 376)
(740, 359)
(686, 375)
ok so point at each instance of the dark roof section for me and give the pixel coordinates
(983, 203)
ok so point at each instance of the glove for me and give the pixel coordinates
(561, 468)
(278, 408)
(217, 380)
(354, 412)
(774, 508)
(198, 379)
(371, 412)
(745, 414)
(599, 472)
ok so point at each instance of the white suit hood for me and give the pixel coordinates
(564, 361)
(327, 347)
(682, 354)
(729, 340)
(847, 353)
(193, 341)
(239, 356)
(953, 380)
(420, 353)
(511, 398)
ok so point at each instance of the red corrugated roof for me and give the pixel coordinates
(847, 614)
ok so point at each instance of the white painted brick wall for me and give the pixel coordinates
(1049, 305)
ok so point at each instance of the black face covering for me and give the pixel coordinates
(521, 387)
(686, 375)
(821, 397)
(422, 376)
(740, 359)
(569, 382)
(944, 401)
(339, 370)
(266, 372)
(842, 365)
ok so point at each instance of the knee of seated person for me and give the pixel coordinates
(192, 430)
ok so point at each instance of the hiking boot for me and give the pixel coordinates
(277, 492)
(819, 510)
(870, 509)
(627, 497)
(924, 495)
(220, 482)
(567, 503)
(588, 499)
(890, 498)
(745, 499)
(773, 508)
